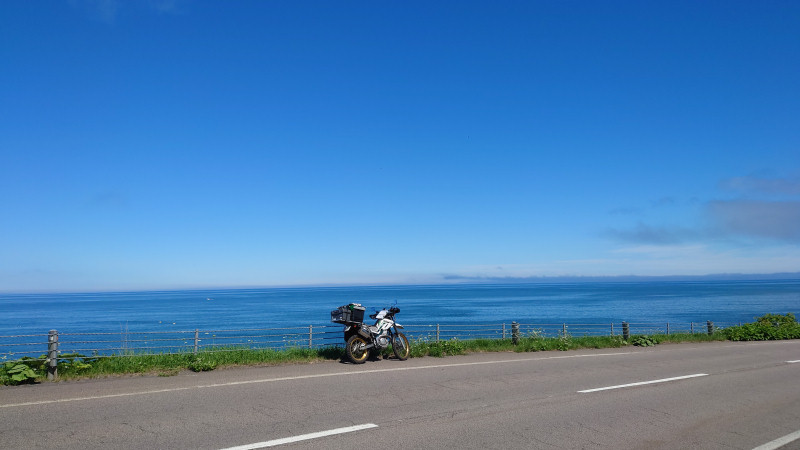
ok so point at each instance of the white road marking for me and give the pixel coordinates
(303, 377)
(794, 362)
(663, 380)
(780, 442)
(302, 437)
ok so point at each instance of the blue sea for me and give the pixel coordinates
(221, 309)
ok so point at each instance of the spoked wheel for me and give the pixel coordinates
(356, 349)
(400, 346)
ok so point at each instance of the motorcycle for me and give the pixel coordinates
(363, 340)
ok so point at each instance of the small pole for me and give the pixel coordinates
(52, 355)
(437, 332)
(310, 336)
(667, 328)
(515, 333)
(504, 330)
(612, 328)
(626, 331)
(196, 339)
(691, 327)
(564, 330)
(710, 326)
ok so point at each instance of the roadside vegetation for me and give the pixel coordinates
(76, 366)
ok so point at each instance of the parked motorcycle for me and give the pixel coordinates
(363, 340)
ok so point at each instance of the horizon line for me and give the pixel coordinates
(451, 279)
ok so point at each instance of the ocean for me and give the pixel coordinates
(221, 309)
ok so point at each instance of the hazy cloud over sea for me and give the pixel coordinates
(762, 211)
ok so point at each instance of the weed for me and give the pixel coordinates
(644, 341)
(16, 373)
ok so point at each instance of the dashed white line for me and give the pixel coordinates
(303, 377)
(780, 442)
(794, 362)
(641, 383)
(302, 437)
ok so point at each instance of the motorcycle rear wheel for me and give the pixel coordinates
(400, 346)
(355, 350)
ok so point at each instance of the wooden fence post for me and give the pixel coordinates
(710, 326)
(310, 336)
(504, 330)
(196, 339)
(626, 331)
(437, 332)
(52, 355)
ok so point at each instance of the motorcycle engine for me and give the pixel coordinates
(382, 341)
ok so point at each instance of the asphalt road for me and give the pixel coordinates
(716, 396)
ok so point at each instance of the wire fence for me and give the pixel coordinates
(67, 345)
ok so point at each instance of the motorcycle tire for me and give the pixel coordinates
(401, 347)
(355, 351)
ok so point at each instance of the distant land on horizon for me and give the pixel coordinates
(628, 278)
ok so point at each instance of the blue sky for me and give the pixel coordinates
(177, 144)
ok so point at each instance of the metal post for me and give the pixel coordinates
(52, 355)
(564, 330)
(504, 330)
(691, 327)
(310, 336)
(515, 333)
(710, 326)
(612, 328)
(626, 331)
(196, 339)
(667, 328)
(437, 332)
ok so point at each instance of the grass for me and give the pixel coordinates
(76, 366)
(79, 367)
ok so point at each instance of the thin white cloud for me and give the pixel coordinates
(764, 185)
(643, 233)
(772, 220)
(108, 10)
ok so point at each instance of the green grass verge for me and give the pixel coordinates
(28, 370)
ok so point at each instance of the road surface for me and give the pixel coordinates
(712, 396)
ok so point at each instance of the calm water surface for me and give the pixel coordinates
(601, 302)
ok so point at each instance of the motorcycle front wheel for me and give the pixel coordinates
(355, 350)
(400, 346)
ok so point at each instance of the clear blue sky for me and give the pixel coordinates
(175, 144)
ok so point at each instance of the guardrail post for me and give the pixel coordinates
(196, 339)
(612, 328)
(52, 355)
(564, 330)
(710, 326)
(667, 328)
(691, 327)
(504, 331)
(514, 333)
(310, 336)
(626, 331)
(437, 332)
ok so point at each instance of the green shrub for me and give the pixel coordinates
(769, 327)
